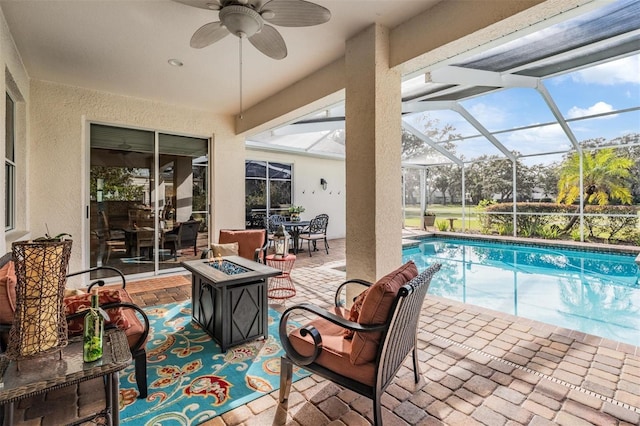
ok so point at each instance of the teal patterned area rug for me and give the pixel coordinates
(190, 380)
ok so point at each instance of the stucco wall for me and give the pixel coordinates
(59, 145)
(16, 82)
(307, 191)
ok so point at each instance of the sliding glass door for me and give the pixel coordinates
(148, 199)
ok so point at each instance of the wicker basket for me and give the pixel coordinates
(39, 324)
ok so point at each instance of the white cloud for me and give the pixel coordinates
(489, 115)
(537, 139)
(625, 70)
(597, 108)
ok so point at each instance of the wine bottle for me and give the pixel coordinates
(93, 331)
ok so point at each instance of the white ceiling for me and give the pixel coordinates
(123, 47)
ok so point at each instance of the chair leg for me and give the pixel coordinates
(326, 245)
(286, 372)
(416, 367)
(140, 360)
(309, 247)
(377, 410)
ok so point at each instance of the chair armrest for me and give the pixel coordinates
(100, 282)
(338, 301)
(314, 333)
(260, 255)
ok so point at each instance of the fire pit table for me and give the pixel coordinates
(229, 298)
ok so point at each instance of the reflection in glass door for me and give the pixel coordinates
(138, 226)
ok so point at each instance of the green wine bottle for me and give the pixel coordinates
(93, 331)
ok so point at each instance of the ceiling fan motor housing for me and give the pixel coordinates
(241, 20)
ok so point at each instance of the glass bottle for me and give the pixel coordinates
(93, 331)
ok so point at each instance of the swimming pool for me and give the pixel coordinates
(596, 293)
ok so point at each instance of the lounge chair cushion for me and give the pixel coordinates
(336, 349)
(229, 249)
(8, 283)
(77, 303)
(375, 310)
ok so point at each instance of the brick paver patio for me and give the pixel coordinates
(479, 367)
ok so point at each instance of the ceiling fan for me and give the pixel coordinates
(247, 18)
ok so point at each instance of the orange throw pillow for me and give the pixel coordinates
(354, 312)
(375, 310)
(75, 304)
(8, 283)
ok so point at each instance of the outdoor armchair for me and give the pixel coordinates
(362, 348)
(248, 243)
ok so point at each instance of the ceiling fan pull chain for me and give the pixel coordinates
(240, 38)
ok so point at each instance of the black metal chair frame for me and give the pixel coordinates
(317, 230)
(397, 341)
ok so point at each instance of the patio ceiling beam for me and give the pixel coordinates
(473, 77)
(483, 130)
(409, 107)
(426, 139)
(309, 127)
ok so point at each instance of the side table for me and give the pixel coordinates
(50, 378)
(281, 286)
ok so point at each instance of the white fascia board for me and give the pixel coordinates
(471, 77)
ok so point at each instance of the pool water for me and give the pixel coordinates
(596, 293)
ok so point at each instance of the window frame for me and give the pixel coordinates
(10, 164)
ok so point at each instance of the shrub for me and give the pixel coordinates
(537, 219)
(442, 225)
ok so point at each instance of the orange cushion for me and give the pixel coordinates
(375, 310)
(75, 304)
(354, 312)
(8, 283)
(335, 350)
(248, 240)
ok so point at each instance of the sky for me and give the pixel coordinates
(603, 88)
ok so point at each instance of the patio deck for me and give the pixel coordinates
(478, 367)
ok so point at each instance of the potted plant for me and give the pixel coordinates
(429, 218)
(295, 211)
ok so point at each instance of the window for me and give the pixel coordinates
(9, 166)
(267, 190)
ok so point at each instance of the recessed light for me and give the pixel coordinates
(175, 62)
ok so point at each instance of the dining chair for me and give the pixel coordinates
(112, 242)
(317, 230)
(272, 223)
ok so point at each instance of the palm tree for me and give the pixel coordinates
(605, 177)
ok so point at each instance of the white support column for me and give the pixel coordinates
(373, 157)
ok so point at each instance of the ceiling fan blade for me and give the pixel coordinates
(201, 4)
(270, 42)
(208, 34)
(294, 13)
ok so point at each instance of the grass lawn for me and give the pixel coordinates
(413, 216)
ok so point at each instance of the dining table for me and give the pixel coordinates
(294, 228)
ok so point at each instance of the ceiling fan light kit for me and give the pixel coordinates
(241, 20)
